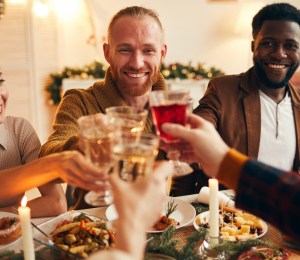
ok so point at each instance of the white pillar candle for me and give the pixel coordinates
(213, 207)
(24, 215)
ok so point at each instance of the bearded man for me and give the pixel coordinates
(258, 112)
(135, 51)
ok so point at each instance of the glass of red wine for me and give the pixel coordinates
(171, 106)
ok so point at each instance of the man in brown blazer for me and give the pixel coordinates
(258, 112)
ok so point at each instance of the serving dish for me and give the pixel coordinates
(77, 232)
(238, 226)
(12, 234)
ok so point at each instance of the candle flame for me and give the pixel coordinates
(24, 201)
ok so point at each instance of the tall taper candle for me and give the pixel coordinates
(213, 207)
(24, 215)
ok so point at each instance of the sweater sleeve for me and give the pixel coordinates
(65, 133)
(231, 167)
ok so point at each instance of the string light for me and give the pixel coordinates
(41, 8)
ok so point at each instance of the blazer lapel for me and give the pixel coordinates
(252, 111)
(253, 123)
(295, 94)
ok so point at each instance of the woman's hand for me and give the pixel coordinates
(73, 168)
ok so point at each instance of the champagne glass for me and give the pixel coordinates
(133, 160)
(171, 106)
(132, 120)
(98, 134)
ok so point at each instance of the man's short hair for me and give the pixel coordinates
(275, 12)
(133, 11)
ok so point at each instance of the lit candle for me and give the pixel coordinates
(24, 215)
(213, 207)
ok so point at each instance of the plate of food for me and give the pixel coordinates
(78, 233)
(10, 229)
(235, 225)
(177, 213)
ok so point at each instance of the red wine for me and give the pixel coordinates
(175, 113)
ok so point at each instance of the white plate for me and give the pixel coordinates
(51, 224)
(204, 218)
(184, 214)
(8, 214)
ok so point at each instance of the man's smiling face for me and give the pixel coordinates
(276, 52)
(135, 52)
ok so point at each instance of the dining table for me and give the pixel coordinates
(273, 235)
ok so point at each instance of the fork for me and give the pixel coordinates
(50, 241)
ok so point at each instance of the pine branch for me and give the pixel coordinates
(235, 248)
(171, 207)
(164, 244)
(200, 207)
(188, 251)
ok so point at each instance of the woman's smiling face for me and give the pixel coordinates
(3, 98)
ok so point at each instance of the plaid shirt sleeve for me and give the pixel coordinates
(272, 194)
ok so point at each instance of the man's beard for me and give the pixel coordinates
(271, 84)
(131, 90)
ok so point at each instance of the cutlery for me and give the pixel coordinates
(149, 239)
(50, 241)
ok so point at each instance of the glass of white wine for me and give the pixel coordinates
(98, 133)
(133, 160)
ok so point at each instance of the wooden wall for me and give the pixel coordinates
(28, 53)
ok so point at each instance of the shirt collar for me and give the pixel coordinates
(3, 136)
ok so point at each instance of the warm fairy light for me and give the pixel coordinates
(68, 10)
(41, 8)
(24, 201)
(16, 1)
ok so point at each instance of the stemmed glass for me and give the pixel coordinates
(171, 106)
(132, 120)
(98, 134)
(133, 160)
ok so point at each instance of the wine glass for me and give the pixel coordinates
(133, 160)
(98, 134)
(132, 120)
(171, 106)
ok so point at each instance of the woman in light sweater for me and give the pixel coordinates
(19, 144)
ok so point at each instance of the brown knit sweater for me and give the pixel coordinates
(81, 102)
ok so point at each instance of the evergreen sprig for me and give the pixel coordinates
(200, 207)
(171, 207)
(188, 251)
(164, 243)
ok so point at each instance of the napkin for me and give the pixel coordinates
(203, 197)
